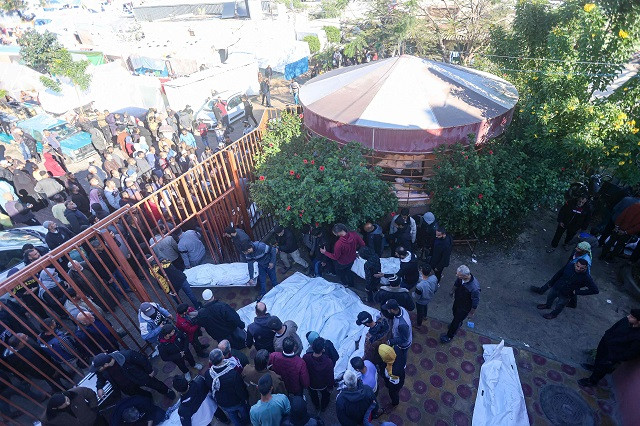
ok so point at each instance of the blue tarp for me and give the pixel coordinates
(296, 68)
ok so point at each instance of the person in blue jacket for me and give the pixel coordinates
(265, 255)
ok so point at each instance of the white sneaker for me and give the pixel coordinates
(198, 367)
(187, 376)
(155, 353)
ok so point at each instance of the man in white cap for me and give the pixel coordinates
(221, 321)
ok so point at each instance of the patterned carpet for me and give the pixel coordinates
(442, 380)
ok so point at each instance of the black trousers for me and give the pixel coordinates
(571, 232)
(197, 346)
(182, 362)
(458, 316)
(615, 245)
(344, 273)
(249, 114)
(394, 388)
(438, 273)
(320, 398)
(421, 311)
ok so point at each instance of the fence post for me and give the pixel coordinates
(238, 190)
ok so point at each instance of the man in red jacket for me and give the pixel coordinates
(626, 225)
(344, 252)
(290, 367)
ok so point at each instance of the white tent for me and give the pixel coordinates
(15, 77)
(114, 88)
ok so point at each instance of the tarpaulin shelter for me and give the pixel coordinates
(407, 104)
(15, 77)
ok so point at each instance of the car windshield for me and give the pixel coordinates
(63, 131)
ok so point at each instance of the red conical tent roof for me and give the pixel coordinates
(407, 104)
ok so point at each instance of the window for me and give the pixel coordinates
(234, 102)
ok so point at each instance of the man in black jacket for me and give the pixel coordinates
(258, 332)
(354, 401)
(394, 291)
(408, 274)
(56, 235)
(77, 220)
(566, 284)
(173, 346)
(288, 246)
(228, 388)
(442, 247)
(372, 270)
(193, 394)
(574, 215)
(128, 372)
(373, 236)
(222, 322)
(238, 236)
(620, 343)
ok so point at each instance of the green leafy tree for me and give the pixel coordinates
(304, 181)
(313, 42)
(10, 6)
(45, 54)
(333, 34)
(331, 8)
(558, 59)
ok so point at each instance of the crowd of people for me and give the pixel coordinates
(137, 155)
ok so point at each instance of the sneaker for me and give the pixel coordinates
(543, 306)
(155, 353)
(187, 376)
(171, 395)
(444, 338)
(198, 367)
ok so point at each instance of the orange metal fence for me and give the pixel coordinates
(110, 265)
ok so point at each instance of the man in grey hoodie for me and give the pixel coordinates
(424, 292)
(190, 246)
(284, 330)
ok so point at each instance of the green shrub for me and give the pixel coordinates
(333, 34)
(313, 42)
(490, 191)
(304, 181)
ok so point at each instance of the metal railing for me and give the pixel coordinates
(117, 257)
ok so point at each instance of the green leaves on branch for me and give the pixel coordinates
(304, 181)
(490, 191)
(333, 34)
(45, 54)
(313, 42)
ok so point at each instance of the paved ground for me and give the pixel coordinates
(442, 380)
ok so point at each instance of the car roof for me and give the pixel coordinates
(225, 94)
(17, 237)
(40, 122)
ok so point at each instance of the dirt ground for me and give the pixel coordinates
(507, 308)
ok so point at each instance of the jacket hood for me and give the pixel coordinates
(377, 230)
(354, 395)
(262, 321)
(118, 357)
(350, 238)
(367, 253)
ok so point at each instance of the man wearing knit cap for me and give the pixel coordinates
(620, 343)
(284, 330)
(329, 347)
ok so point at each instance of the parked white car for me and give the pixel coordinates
(235, 108)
